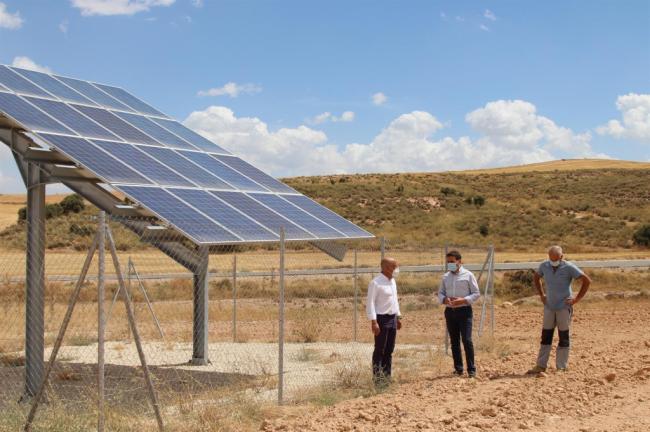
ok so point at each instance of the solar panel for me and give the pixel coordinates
(116, 125)
(91, 157)
(263, 215)
(190, 136)
(71, 118)
(53, 86)
(180, 215)
(142, 163)
(152, 129)
(193, 172)
(130, 100)
(223, 171)
(15, 82)
(199, 188)
(92, 92)
(29, 116)
(253, 173)
(230, 218)
(300, 217)
(326, 215)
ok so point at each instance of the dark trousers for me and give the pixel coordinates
(384, 344)
(459, 326)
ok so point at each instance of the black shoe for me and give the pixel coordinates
(472, 374)
(459, 373)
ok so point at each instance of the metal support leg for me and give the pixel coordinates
(101, 321)
(234, 298)
(356, 296)
(35, 283)
(281, 323)
(201, 305)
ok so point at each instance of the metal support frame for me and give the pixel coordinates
(234, 297)
(201, 305)
(35, 282)
(281, 321)
(101, 321)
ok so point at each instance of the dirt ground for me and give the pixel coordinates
(606, 389)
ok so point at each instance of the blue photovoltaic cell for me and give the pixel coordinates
(223, 171)
(251, 172)
(263, 215)
(94, 159)
(177, 162)
(326, 215)
(57, 88)
(93, 93)
(293, 213)
(143, 164)
(190, 136)
(71, 118)
(224, 214)
(29, 116)
(116, 125)
(15, 82)
(130, 100)
(179, 214)
(155, 131)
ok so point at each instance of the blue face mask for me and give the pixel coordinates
(452, 267)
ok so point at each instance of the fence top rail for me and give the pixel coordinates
(342, 271)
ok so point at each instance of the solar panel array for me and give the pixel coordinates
(189, 182)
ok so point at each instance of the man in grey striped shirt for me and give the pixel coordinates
(458, 290)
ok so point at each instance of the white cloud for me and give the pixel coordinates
(514, 125)
(489, 15)
(8, 20)
(635, 109)
(511, 132)
(484, 27)
(346, 116)
(379, 98)
(63, 26)
(443, 16)
(117, 7)
(27, 63)
(231, 89)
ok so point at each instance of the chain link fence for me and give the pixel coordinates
(185, 334)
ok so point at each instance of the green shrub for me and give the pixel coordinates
(22, 214)
(72, 204)
(53, 210)
(642, 236)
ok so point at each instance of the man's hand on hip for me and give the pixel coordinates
(571, 301)
(543, 298)
(399, 324)
(375, 328)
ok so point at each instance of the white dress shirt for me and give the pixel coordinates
(382, 297)
(462, 284)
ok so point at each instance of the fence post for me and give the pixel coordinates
(444, 261)
(492, 318)
(101, 322)
(281, 322)
(356, 296)
(234, 297)
(382, 247)
(201, 307)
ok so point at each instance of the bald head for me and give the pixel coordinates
(555, 253)
(388, 266)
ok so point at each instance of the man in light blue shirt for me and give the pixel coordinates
(558, 303)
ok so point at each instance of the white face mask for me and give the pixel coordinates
(556, 263)
(452, 267)
(396, 272)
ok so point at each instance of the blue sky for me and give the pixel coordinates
(465, 83)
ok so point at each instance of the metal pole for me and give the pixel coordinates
(100, 321)
(35, 282)
(444, 260)
(281, 322)
(492, 292)
(356, 296)
(487, 290)
(234, 297)
(201, 305)
(59, 338)
(133, 271)
(136, 336)
(382, 247)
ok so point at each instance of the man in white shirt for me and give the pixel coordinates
(382, 308)
(458, 290)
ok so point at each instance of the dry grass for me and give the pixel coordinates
(563, 165)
